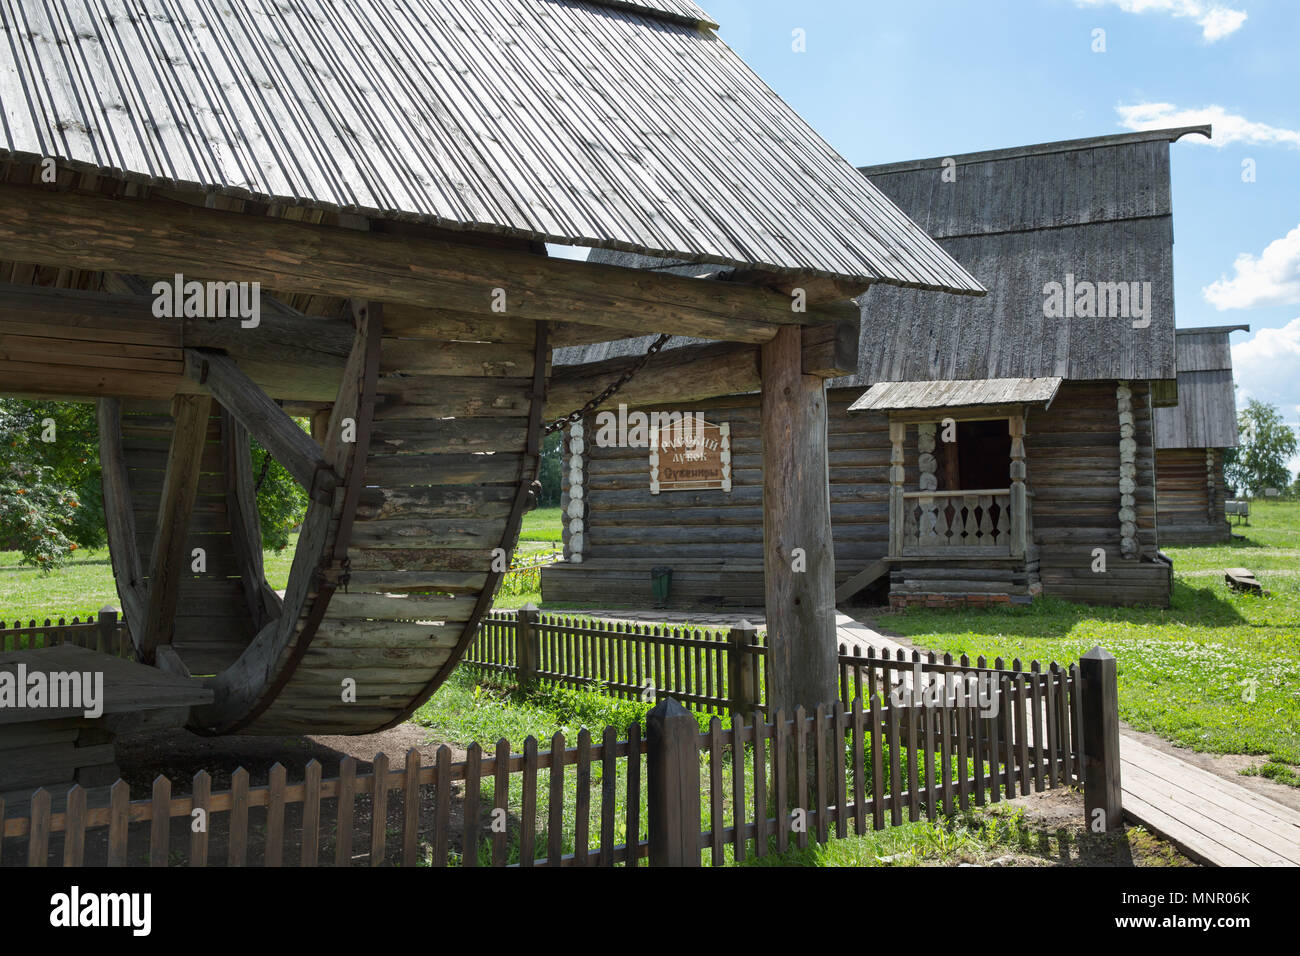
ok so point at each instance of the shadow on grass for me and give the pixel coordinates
(1051, 617)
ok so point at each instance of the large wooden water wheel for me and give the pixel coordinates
(418, 477)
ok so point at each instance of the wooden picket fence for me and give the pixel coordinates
(702, 667)
(671, 794)
(103, 631)
(713, 670)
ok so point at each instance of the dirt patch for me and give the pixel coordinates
(1054, 834)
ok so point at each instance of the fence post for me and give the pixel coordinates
(527, 645)
(673, 784)
(1102, 798)
(105, 637)
(742, 670)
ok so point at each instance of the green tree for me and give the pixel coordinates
(50, 498)
(552, 468)
(1267, 445)
(281, 502)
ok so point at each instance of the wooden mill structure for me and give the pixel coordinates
(389, 176)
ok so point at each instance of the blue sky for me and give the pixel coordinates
(889, 81)
(884, 82)
(896, 81)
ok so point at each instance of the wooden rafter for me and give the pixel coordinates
(147, 236)
(696, 372)
(112, 344)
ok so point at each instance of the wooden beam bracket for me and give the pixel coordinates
(265, 420)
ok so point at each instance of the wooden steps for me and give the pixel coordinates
(214, 623)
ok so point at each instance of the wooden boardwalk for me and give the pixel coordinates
(1214, 821)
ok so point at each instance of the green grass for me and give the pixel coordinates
(86, 584)
(997, 834)
(1188, 672)
(542, 525)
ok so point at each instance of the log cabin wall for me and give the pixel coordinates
(1192, 437)
(713, 539)
(1192, 491)
(1074, 470)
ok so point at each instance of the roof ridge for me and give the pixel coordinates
(1211, 329)
(1172, 134)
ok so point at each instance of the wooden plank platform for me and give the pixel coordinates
(1214, 821)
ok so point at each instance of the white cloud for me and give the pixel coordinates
(1229, 128)
(1265, 369)
(1272, 278)
(1215, 19)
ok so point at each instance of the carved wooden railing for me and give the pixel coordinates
(977, 522)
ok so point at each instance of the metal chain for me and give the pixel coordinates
(610, 390)
(266, 466)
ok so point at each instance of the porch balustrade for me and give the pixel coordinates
(975, 522)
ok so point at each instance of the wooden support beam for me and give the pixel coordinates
(265, 420)
(863, 579)
(119, 516)
(171, 552)
(112, 344)
(150, 237)
(245, 525)
(696, 372)
(798, 559)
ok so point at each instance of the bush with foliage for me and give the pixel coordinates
(51, 499)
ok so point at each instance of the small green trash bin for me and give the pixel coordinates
(661, 582)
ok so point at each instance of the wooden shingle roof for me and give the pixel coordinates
(1090, 210)
(621, 124)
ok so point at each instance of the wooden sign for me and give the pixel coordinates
(690, 456)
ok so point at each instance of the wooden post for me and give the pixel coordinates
(897, 475)
(1019, 500)
(527, 645)
(1128, 528)
(742, 670)
(106, 636)
(673, 766)
(1102, 798)
(798, 558)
